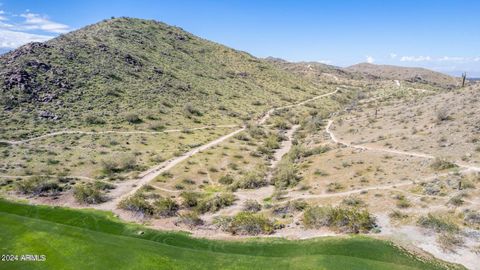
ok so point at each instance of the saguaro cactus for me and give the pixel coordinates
(464, 76)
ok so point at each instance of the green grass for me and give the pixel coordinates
(87, 239)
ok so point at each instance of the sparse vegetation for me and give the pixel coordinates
(351, 220)
(247, 223)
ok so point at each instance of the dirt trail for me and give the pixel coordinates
(128, 188)
(294, 195)
(397, 152)
(53, 134)
(258, 194)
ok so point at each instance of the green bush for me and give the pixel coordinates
(252, 206)
(90, 194)
(165, 207)
(253, 179)
(38, 185)
(438, 223)
(119, 164)
(191, 219)
(137, 203)
(285, 175)
(133, 118)
(351, 220)
(94, 120)
(226, 179)
(442, 164)
(192, 110)
(215, 203)
(190, 199)
(246, 223)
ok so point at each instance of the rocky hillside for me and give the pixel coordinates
(133, 73)
(416, 75)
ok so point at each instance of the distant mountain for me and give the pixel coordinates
(313, 70)
(133, 66)
(418, 75)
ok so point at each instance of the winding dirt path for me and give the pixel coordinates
(53, 134)
(128, 188)
(396, 152)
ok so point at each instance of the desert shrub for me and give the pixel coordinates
(101, 185)
(191, 219)
(402, 202)
(334, 186)
(242, 137)
(190, 199)
(89, 194)
(137, 203)
(317, 150)
(133, 118)
(192, 110)
(396, 214)
(272, 142)
(289, 207)
(431, 188)
(353, 201)
(285, 175)
(157, 126)
(472, 217)
(165, 207)
(118, 164)
(442, 164)
(38, 185)
(226, 179)
(457, 200)
(438, 223)
(94, 120)
(253, 179)
(281, 124)
(215, 203)
(256, 132)
(443, 114)
(352, 220)
(252, 206)
(222, 222)
(246, 223)
(449, 241)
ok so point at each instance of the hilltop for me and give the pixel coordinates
(143, 70)
(410, 74)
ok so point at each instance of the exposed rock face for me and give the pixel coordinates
(48, 115)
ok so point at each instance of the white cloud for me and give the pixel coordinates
(14, 39)
(370, 59)
(35, 21)
(325, 61)
(2, 16)
(393, 55)
(415, 58)
(476, 59)
(452, 58)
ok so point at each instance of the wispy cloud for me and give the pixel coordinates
(415, 58)
(13, 39)
(453, 59)
(35, 21)
(370, 59)
(19, 29)
(393, 55)
(325, 61)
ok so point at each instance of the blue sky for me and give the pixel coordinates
(441, 35)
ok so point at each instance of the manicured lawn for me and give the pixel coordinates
(73, 239)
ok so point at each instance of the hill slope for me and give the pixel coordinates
(104, 73)
(419, 75)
